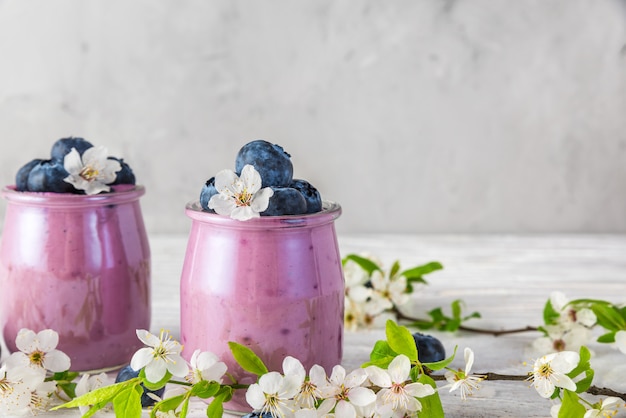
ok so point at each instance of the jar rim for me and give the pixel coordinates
(330, 211)
(121, 193)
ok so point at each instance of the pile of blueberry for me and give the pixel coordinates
(291, 196)
(47, 175)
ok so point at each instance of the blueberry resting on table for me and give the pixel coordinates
(429, 348)
(128, 373)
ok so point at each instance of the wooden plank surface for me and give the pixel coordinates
(506, 278)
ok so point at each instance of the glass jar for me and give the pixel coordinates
(274, 284)
(79, 265)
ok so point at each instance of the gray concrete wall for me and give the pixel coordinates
(417, 116)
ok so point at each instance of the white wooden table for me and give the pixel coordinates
(506, 278)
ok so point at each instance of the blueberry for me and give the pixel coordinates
(310, 193)
(128, 373)
(21, 178)
(208, 190)
(125, 175)
(270, 160)
(429, 348)
(258, 415)
(285, 201)
(64, 145)
(47, 176)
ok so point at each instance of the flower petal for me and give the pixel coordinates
(47, 340)
(177, 366)
(469, 360)
(378, 376)
(261, 199)
(56, 361)
(251, 179)
(344, 410)
(221, 204)
(255, 396)
(355, 378)
(141, 358)
(243, 213)
(399, 368)
(147, 338)
(361, 396)
(224, 181)
(26, 340)
(271, 382)
(72, 162)
(544, 387)
(292, 366)
(155, 371)
(419, 390)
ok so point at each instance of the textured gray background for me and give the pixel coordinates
(417, 116)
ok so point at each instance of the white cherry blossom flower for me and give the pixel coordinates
(91, 172)
(563, 337)
(206, 366)
(39, 351)
(88, 383)
(21, 391)
(240, 197)
(607, 408)
(464, 380)
(345, 393)
(550, 372)
(397, 396)
(161, 355)
(620, 341)
(309, 391)
(389, 289)
(274, 394)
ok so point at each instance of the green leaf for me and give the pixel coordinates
(431, 405)
(419, 271)
(583, 365)
(204, 389)
(216, 408)
(127, 404)
(154, 385)
(394, 269)
(104, 394)
(401, 340)
(169, 404)
(607, 338)
(368, 265)
(383, 362)
(550, 315)
(68, 388)
(585, 383)
(609, 317)
(185, 409)
(414, 374)
(247, 359)
(456, 309)
(382, 350)
(438, 365)
(571, 408)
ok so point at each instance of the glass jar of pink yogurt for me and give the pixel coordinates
(79, 265)
(274, 284)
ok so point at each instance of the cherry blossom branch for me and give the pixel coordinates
(593, 390)
(496, 333)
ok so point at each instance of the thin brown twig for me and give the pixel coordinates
(593, 390)
(495, 333)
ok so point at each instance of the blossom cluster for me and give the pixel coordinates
(24, 384)
(567, 326)
(373, 295)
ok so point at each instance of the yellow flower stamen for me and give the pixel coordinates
(37, 357)
(89, 173)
